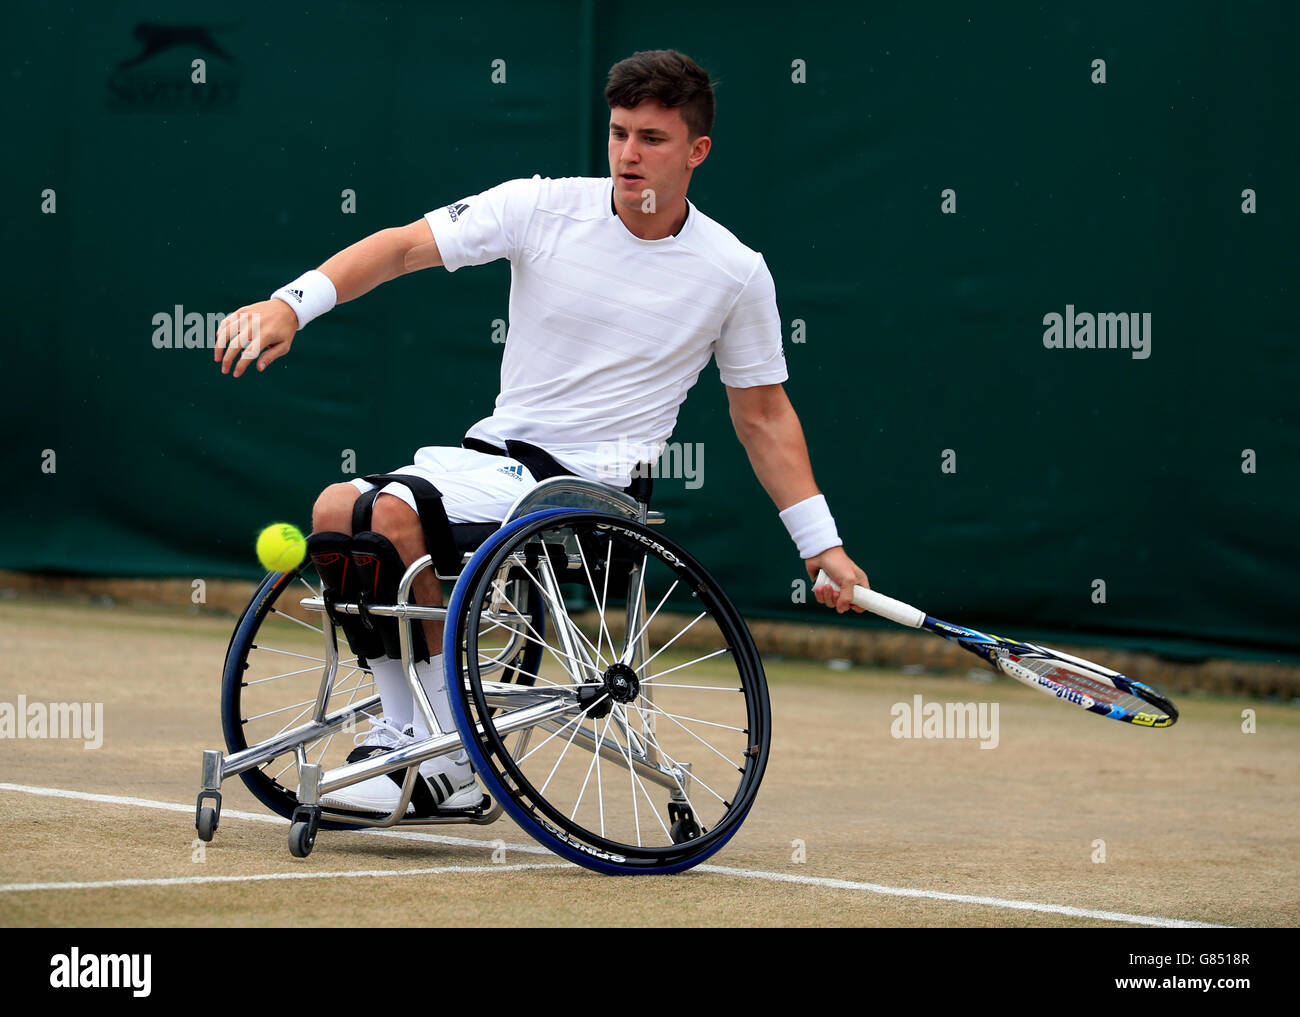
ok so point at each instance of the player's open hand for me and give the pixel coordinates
(843, 573)
(261, 332)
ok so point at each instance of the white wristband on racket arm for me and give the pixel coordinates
(811, 526)
(310, 296)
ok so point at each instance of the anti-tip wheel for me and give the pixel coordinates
(683, 827)
(302, 838)
(206, 822)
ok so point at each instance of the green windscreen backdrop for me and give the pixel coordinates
(928, 183)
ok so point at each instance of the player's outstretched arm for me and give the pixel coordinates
(263, 332)
(769, 428)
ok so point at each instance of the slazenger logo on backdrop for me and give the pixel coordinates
(175, 68)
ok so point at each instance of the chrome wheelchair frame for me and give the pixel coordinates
(511, 616)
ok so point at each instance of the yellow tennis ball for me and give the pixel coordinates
(281, 547)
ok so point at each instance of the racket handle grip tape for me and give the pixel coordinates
(878, 603)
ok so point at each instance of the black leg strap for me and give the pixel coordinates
(331, 553)
(433, 517)
(379, 570)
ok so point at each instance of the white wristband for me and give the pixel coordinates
(310, 296)
(811, 526)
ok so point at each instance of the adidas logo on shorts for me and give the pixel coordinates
(515, 471)
(457, 210)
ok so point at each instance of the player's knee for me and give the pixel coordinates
(333, 509)
(396, 520)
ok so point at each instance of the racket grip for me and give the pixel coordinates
(878, 603)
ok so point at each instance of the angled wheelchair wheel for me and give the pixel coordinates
(271, 679)
(640, 746)
(273, 670)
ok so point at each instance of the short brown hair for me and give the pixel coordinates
(673, 78)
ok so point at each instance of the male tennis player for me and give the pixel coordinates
(621, 290)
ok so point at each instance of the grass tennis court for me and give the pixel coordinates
(1197, 821)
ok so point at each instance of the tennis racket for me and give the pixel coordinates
(1070, 679)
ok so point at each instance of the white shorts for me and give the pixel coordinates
(476, 487)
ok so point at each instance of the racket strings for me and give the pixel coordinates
(1090, 690)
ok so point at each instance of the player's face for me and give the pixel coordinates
(649, 150)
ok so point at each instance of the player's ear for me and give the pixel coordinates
(699, 151)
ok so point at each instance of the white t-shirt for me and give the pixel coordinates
(609, 332)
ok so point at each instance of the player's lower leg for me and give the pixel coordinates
(446, 782)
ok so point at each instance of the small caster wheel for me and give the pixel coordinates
(302, 834)
(207, 816)
(302, 838)
(206, 822)
(684, 827)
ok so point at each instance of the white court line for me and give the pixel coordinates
(262, 817)
(267, 876)
(961, 898)
(719, 870)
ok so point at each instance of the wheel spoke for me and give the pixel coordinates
(629, 645)
(708, 656)
(287, 674)
(297, 621)
(602, 633)
(576, 718)
(672, 763)
(594, 764)
(547, 647)
(550, 649)
(567, 745)
(707, 745)
(637, 782)
(702, 614)
(646, 624)
(343, 661)
(542, 678)
(561, 616)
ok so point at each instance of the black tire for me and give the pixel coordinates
(302, 838)
(541, 782)
(206, 823)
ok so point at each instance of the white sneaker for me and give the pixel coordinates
(437, 788)
(451, 790)
(378, 794)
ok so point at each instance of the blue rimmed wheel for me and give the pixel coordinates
(640, 746)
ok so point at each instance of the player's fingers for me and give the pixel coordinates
(272, 353)
(252, 349)
(826, 595)
(861, 580)
(223, 336)
(818, 592)
(231, 351)
(233, 348)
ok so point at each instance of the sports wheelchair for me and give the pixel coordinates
(607, 692)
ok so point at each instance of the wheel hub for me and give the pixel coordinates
(621, 683)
